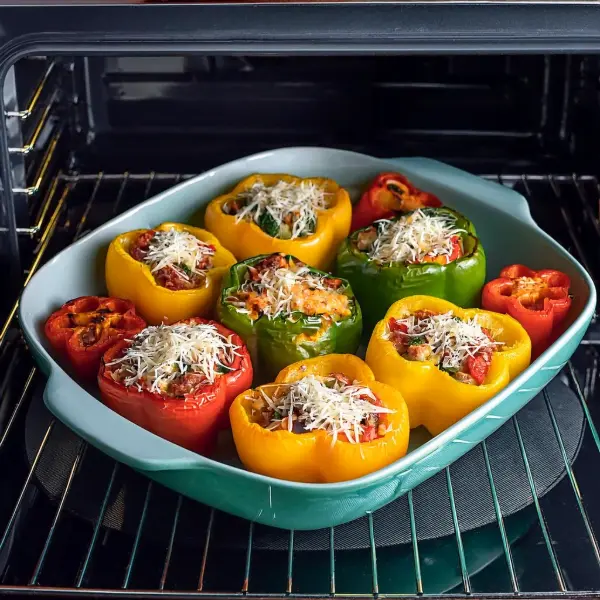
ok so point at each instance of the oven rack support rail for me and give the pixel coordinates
(69, 221)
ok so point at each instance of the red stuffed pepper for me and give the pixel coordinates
(85, 328)
(388, 195)
(539, 300)
(177, 381)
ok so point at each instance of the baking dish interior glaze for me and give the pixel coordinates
(509, 235)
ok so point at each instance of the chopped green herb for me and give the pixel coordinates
(449, 369)
(185, 268)
(416, 341)
(268, 224)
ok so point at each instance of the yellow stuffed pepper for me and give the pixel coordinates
(446, 361)
(263, 214)
(170, 273)
(323, 420)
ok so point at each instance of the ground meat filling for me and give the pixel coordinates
(279, 287)
(177, 259)
(531, 291)
(423, 236)
(90, 325)
(462, 348)
(346, 410)
(175, 360)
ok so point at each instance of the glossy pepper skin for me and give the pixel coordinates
(246, 239)
(312, 457)
(100, 320)
(277, 343)
(539, 300)
(129, 278)
(192, 422)
(378, 286)
(434, 398)
(388, 195)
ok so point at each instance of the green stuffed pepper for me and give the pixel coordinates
(286, 311)
(430, 252)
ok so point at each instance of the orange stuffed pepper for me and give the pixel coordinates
(323, 420)
(263, 214)
(446, 361)
(170, 273)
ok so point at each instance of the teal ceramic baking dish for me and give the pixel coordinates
(508, 234)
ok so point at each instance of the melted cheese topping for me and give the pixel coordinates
(293, 204)
(179, 250)
(411, 238)
(325, 403)
(160, 354)
(284, 289)
(451, 339)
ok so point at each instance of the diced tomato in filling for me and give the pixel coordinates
(445, 259)
(369, 434)
(396, 325)
(478, 366)
(375, 425)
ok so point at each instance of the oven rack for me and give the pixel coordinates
(80, 203)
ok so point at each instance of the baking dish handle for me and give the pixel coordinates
(111, 433)
(442, 176)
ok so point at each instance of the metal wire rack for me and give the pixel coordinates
(37, 536)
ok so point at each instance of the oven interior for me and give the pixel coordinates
(89, 137)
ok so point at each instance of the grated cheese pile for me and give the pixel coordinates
(409, 239)
(282, 201)
(451, 339)
(337, 409)
(282, 288)
(173, 248)
(160, 354)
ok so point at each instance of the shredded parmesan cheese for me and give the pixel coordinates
(452, 340)
(294, 205)
(411, 238)
(283, 291)
(325, 403)
(180, 251)
(160, 355)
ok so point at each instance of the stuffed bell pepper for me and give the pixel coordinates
(432, 251)
(85, 328)
(445, 361)
(387, 196)
(308, 218)
(172, 272)
(286, 311)
(539, 300)
(177, 381)
(324, 420)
